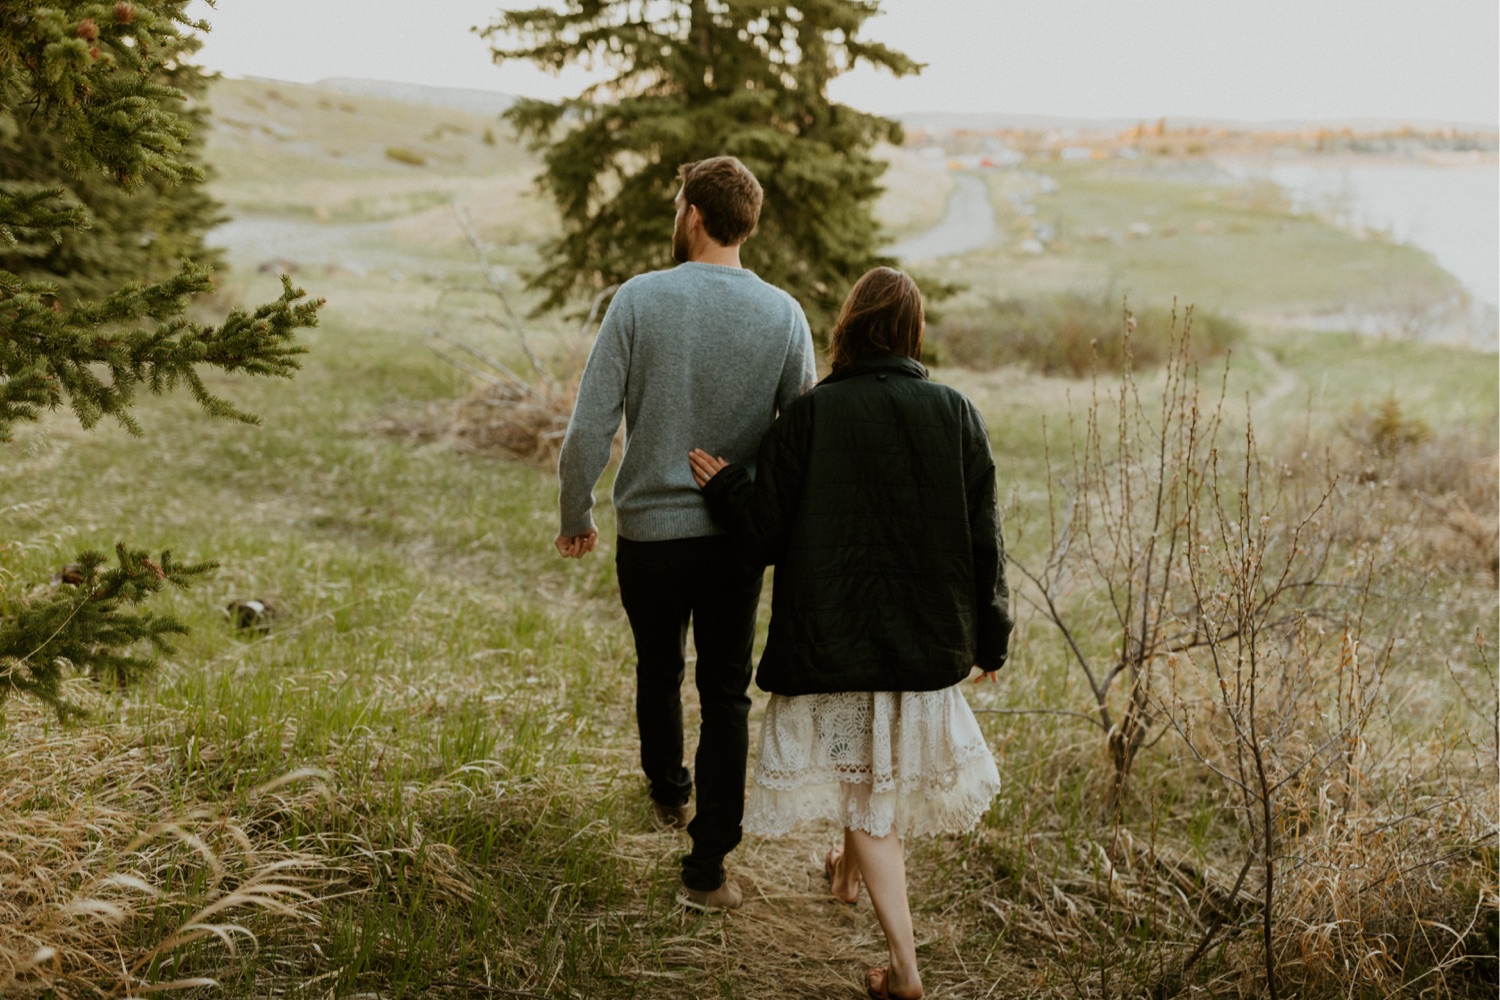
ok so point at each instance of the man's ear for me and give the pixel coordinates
(695, 223)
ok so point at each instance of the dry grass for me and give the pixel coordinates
(525, 421)
(100, 896)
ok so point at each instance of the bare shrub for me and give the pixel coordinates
(1368, 846)
(1452, 482)
(1213, 597)
(515, 414)
(1070, 333)
(1437, 491)
(1444, 484)
(1386, 431)
(1121, 509)
(504, 415)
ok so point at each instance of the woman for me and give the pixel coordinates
(874, 496)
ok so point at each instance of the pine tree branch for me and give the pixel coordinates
(89, 626)
(30, 214)
(51, 356)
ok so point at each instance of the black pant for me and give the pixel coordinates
(663, 585)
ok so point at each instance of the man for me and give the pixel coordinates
(704, 354)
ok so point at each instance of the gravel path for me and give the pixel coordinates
(969, 225)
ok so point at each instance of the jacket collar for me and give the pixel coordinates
(890, 364)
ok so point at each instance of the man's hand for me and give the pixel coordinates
(576, 546)
(705, 466)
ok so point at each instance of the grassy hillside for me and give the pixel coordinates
(421, 780)
(301, 153)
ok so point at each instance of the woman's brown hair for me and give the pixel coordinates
(882, 315)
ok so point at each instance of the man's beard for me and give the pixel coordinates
(681, 251)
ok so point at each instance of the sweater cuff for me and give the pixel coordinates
(574, 526)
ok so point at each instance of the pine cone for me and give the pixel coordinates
(124, 12)
(87, 29)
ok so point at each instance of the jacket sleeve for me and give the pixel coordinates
(991, 595)
(759, 513)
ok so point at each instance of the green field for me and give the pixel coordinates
(427, 764)
(1154, 233)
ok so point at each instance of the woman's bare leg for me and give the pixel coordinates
(882, 863)
(844, 885)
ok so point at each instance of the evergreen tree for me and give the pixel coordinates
(91, 86)
(133, 235)
(697, 78)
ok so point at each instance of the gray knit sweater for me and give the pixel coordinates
(699, 356)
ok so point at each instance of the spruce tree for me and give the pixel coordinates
(698, 78)
(135, 234)
(91, 86)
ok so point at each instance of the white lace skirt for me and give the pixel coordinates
(910, 761)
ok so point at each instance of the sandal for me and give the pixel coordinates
(830, 866)
(877, 984)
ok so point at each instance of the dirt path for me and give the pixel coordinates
(968, 225)
(1285, 382)
(356, 247)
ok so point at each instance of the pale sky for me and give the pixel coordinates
(1252, 60)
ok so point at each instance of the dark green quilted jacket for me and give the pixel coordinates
(874, 497)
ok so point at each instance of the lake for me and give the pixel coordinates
(1453, 212)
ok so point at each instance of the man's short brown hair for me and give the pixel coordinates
(726, 193)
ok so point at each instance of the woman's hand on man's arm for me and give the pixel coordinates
(705, 466)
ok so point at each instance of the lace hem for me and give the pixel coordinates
(919, 809)
(880, 779)
(914, 762)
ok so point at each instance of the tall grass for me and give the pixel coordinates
(422, 780)
(1068, 333)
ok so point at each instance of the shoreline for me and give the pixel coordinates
(1437, 201)
(1343, 160)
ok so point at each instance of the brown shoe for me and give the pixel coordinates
(669, 817)
(725, 897)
